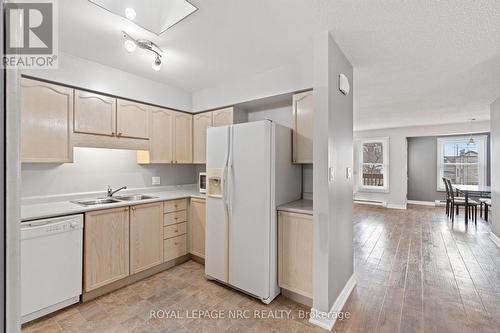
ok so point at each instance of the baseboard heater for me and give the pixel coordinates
(371, 202)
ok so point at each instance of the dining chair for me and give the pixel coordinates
(448, 197)
(456, 202)
(487, 204)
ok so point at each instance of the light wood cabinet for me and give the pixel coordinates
(161, 136)
(94, 113)
(106, 248)
(223, 117)
(201, 122)
(174, 248)
(174, 229)
(303, 117)
(132, 119)
(197, 227)
(183, 138)
(295, 253)
(146, 236)
(46, 122)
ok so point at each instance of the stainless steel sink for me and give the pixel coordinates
(134, 197)
(98, 201)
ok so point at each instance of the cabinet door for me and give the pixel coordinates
(295, 252)
(106, 247)
(197, 228)
(132, 119)
(146, 236)
(223, 117)
(46, 122)
(94, 113)
(303, 115)
(161, 136)
(201, 122)
(183, 138)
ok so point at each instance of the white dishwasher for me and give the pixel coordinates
(51, 265)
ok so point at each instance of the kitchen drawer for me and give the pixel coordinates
(174, 247)
(174, 230)
(174, 205)
(175, 217)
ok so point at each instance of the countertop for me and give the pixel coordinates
(299, 207)
(41, 210)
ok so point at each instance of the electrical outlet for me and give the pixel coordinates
(156, 180)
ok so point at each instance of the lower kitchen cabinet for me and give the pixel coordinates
(295, 252)
(146, 238)
(197, 227)
(174, 247)
(174, 229)
(106, 248)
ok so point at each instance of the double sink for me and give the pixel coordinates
(111, 200)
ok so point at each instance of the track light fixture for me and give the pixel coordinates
(131, 44)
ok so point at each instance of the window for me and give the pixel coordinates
(461, 161)
(374, 164)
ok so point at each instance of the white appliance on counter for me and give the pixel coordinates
(51, 265)
(249, 174)
(202, 182)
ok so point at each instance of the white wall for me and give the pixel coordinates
(495, 167)
(288, 78)
(396, 196)
(94, 76)
(94, 168)
(333, 135)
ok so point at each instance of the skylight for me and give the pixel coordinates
(153, 15)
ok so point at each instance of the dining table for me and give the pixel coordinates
(471, 190)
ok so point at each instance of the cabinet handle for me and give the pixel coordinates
(113, 133)
(120, 134)
(176, 243)
(176, 230)
(133, 208)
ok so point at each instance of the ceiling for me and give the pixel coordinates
(416, 62)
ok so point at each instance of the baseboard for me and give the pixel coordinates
(495, 238)
(370, 202)
(396, 206)
(327, 320)
(422, 203)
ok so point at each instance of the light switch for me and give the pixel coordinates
(156, 180)
(348, 173)
(331, 175)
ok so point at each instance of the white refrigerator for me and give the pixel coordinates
(249, 174)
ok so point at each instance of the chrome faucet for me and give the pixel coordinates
(111, 192)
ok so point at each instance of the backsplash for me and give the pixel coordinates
(94, 169)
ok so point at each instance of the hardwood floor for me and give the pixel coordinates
(416, 272)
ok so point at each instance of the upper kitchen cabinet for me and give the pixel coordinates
(303, 120)
(161, 148)
(183, 138)
(94, 113)
(223, 117)
(46, 122)
(132, 119)
(201, 122)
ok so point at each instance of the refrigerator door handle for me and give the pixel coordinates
(230, 173)
(224, 171)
